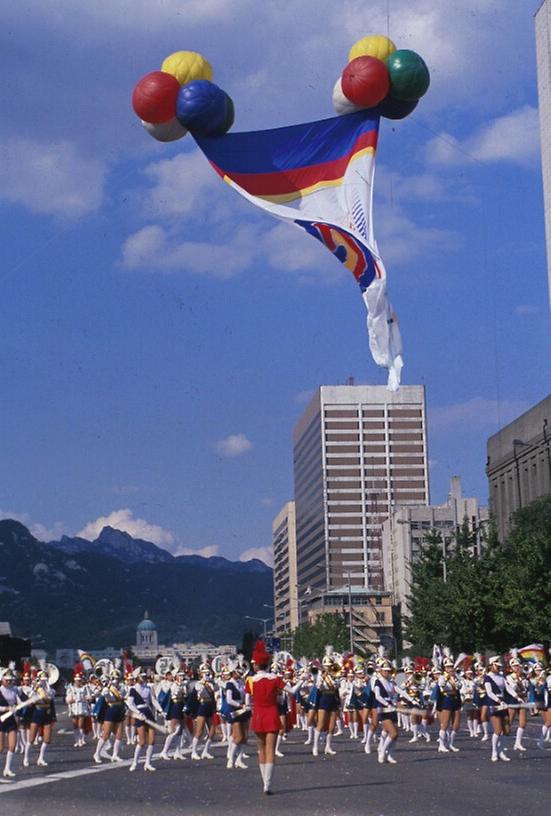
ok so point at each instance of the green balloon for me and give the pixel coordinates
(409, 75)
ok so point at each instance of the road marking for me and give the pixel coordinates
(9, 787)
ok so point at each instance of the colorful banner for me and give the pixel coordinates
(319, 176)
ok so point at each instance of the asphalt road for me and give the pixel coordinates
(423, 783)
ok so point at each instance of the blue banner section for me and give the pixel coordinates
(286, 148)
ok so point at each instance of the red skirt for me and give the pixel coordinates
(265, 719)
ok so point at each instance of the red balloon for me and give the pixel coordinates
(154, 97)
(365, 81)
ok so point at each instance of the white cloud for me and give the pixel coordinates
(262, 553)
(267, 501)
(402, 239)
(136, 527)
(206, 552)
(233, 445)
(154, 248)
(50, 179)
(40, 531)
(95, 19)
(511, 138)
(478, 412)
(180, 185)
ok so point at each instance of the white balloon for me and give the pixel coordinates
(341, 103)
(165, 131)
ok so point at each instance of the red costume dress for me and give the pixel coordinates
(265, 689)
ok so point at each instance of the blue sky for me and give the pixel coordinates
(159, 336)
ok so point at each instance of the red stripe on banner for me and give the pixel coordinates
(299, 178)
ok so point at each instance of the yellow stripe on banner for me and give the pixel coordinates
(284, 198)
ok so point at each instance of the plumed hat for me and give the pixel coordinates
(260, 653)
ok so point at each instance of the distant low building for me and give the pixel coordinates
(405, 530)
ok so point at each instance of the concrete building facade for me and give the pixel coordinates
(358, 451)
(284, 545)
(405, 530)
(519, 464)
(543, 55)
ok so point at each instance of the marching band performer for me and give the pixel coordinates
(540, 698)
(494, 685)
(386, 696)
(173, 707)
(480, 699)
(43, 716)
(372, 722)
(238, 714)
(204, 712)
(449, 706)
(264, 690)
(114, 712)
(141, 700)
(8, 727)
(414, 687)
(327, 704)
(78, 697)
(24, 692)
(467, 698)
(516, 694)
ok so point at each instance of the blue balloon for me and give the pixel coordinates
(204, 108)
(396, 108)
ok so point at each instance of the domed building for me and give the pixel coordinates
(146, 637)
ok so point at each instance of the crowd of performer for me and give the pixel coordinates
(372, 701)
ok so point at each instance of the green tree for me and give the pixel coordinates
(247, 644)
(522, 577)
(329, 629)
(426, 623)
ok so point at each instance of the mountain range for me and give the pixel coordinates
(76, 593)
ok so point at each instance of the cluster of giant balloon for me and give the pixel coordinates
(379, 75)
(182, 97)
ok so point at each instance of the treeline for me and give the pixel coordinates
(493, 601)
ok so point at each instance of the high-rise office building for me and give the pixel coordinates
(286, 603)
(543, 51)
(358, 451)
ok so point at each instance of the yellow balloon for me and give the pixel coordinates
(187, 66)
(374, 45)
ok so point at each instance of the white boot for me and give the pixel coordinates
(148, 754)
(7, 767)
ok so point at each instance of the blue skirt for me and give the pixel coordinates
(42, 716)
(328, 702)
(8, 725)
(114, 713)
(204, 710)
(175, 711)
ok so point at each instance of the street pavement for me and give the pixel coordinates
(423, 783)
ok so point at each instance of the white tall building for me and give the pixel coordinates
(284, 544)
(543, 51)
(405, 530)
(359, 450)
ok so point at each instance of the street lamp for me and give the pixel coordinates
(263, 621)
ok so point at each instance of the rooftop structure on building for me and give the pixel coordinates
(519, 464)
(407, 526)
